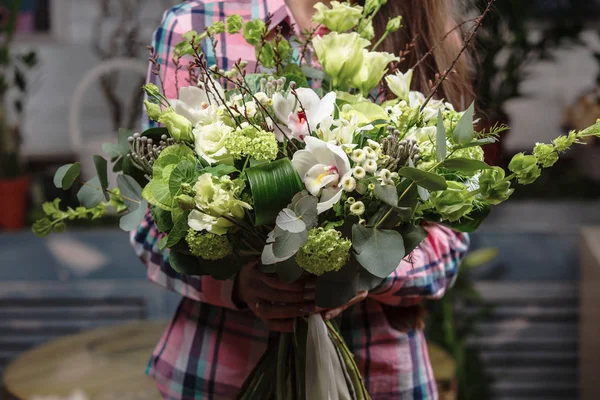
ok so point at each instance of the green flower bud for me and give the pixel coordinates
(253, 31)
(493, 187)
(546, 154)
(60, 227)
(563, 143)
(234, 23)
(394, 24)
(151, 90)
(185, 202)
(453, 203)
(153, 110)
(365, 29)
(42, 227)
(179, 127)
(525, 167)
(341, 17)
(325, 251)
(208, 246)
(217, 28)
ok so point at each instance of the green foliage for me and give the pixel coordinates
(466, 165)
(428, 180)
(378, 251)
(91, 194)
(464, 133)
(66, 175)
(132, 196)
(55, 217)
(254, 31)
(208, 246)
(525, 168)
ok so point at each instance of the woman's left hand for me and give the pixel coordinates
(334, 312)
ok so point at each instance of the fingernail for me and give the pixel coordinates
(310, 286)
(328, 317)
(309, 296)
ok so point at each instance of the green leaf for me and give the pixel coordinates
(412, 236)
(253, 81)
(289, 271)
(313, 73)
(220, 170)
(131, 191)
(66, 175)
(287, 244)
(440, 138)
(428, 180)
(410, 192)
(223, 269)
(471, 222)
(162, 219)
(370, 110)
(90, 197)
(334, 289)
(180, 226)
(290, 222)
(306, 209)
(102, 171)
(300, 80)
(162, 243)
(423, 193)
(185, 264)
(464, 133)
(182, 152)
(133, 219)
(273, 185)
(477, 143)
(378, 251)
(388, 194)
(184, 172)
(464, 165)
(158, 194)
(42, 227)
(160, 165)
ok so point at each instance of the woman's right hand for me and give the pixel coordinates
(274, 302)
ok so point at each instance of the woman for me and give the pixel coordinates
(221, 329)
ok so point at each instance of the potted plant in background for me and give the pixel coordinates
(14, 184)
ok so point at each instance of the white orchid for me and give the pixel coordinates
(197, 104)
(322, 166)
(400, 83)
(299, 118)
(341, 131)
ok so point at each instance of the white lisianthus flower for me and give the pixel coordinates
(400, 83)
(429, 113)
(359, 173)
(370, 166)
(198, 105)
(298, 119)
(341, 17)
(358, 208)
(348, 183)
(216, 197)
(210, 142)
(415, 99)
(358, 156)
(200, 221)
(372, 71)
(322, 166)
(340, 54)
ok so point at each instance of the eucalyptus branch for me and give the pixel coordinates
(113, 193)
(460, 53)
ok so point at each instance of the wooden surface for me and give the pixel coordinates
(106, 363)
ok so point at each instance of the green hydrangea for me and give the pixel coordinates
(453, 203)
(546, 154)
(525, 168)
(249, 141)
(235, 23)
(253, 31)
(325, 251)
(563, 143)
(493, 187)
(208, 246)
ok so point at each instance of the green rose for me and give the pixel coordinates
(372, 71)
(153, 110)
(493, 187)
(340, 54)
(563, 143)
(179, 127)
(234, 23)
(341, 17)
(210, 142)
(546, 154)
(253, 31)
(453, 203)
(525, 168)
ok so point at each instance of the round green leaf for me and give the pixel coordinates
(289, 221)
(90, 194)
(288, 244)
(133, 219)
(378, 251)
(66, 175)
(428, 180)
(184, 172)
(102, 170)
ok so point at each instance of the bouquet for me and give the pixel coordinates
(319, 160)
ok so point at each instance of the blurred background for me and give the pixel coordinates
(521, 322)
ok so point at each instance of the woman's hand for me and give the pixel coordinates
(274, 302)
(334, 312)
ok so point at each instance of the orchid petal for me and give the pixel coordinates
(329, 197)
(303, 161)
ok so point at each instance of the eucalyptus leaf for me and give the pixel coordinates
(267, 256)
(301, 81)
(412, 236)
(428, 180)
(334, 289)
(131, 192)
(378, 251)
(464, 165)
(66, 175)
(388, 194)
(88, 196)
(368, 281)
(222, 269)
(289, 271)
(423, 193)
(133, 219)
(464, 132)
(440, 138)
(289, 243)
(102, 170)
(289, 221)
(306, 209)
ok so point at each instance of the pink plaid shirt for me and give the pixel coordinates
(211, 346)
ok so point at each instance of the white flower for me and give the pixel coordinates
(210, 142)
(359, 172)
(200, 221)
(348, 183)
(321, 166)
(263, 99)
(395, 175)
(370, 153)
(385, 174)
(415, 99)
(340, 131)
(429, 113)
(358, 208)
(373, 144)
(197, 105)
(370, 166)
(399, 84)
(358, 156)
(249, 109)
(298, 119)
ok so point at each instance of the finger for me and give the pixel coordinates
(280, 325)
(330, 314)
(274, 311)
(267, 293)
(277, 284)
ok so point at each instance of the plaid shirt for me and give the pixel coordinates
(211, 346)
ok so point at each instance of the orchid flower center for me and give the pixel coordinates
(301, 116)
(321, 176)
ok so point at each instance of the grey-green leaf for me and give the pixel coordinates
(306, 208)
(131, 192)
(423, 193)
(440, 138)
(378, 251)
(289, 271)
(102, 171)
(464, 133)
(428, 180)
(88, 196)
(289, 221)
(66, 175)
(464, 165)
(388, 194)
(133, 219)
(289, 243)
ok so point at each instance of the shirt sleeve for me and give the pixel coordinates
(428, 272)
(145, 239)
